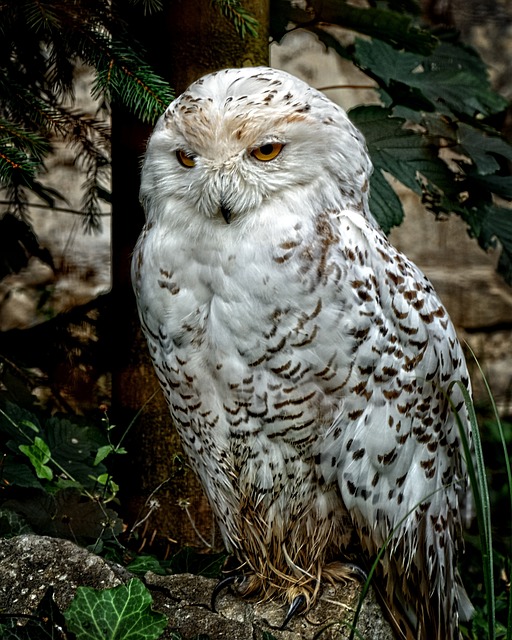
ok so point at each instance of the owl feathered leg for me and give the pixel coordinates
(299, 597)
(298, 604)
(347, 570)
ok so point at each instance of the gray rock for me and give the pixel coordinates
(30, 563)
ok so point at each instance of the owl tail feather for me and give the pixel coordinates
(402, 621)
(408, 624)
(466, 609)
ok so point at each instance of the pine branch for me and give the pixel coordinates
(31, 143)
(122, 76)
(241, 19)
(42, 40)
(149, 6)
(91, 208)
(16, 167)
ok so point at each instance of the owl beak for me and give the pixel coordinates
(226, 213)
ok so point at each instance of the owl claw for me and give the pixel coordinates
(295, 607)
(220, 586)
(356, 570)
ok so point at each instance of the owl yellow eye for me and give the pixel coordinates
(186, 159)
(267, 151)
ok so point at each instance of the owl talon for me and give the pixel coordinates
(296, 607)
(356, 570)
(220, 586)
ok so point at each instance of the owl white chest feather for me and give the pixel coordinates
(214, 302)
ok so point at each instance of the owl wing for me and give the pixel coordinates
(400, 463)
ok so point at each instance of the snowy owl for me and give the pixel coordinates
(307, 364)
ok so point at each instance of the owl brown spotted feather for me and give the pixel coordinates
(307, 363)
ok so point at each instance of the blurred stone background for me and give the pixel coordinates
(73, 375)
(81, 260)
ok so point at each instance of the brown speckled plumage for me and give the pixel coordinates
(306, 362)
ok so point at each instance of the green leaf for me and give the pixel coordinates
(121, 613)
(496, 225)
(105, 480)
(102, 453)
(144, 563)
(45, 623)
(21, 475)
(12, 420)
(12, 524)
(30, 425)
(38, 454)
(66, 483)
(73, 448)
(385, 205)
(105, 451)
(452, 79)
(404, 153)
(389, 26)
(485, 184)
(483, 148)
(385, 61)
(241, 19)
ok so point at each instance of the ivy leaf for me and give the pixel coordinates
(121, 613)
(12, 524)
(46, 623)
(39, 454)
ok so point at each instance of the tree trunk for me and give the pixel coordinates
(190, 38)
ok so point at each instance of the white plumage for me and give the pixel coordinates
(305, 361)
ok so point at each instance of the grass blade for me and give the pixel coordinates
(477, 477)
(507, 469)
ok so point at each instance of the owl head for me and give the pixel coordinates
(239, 141)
